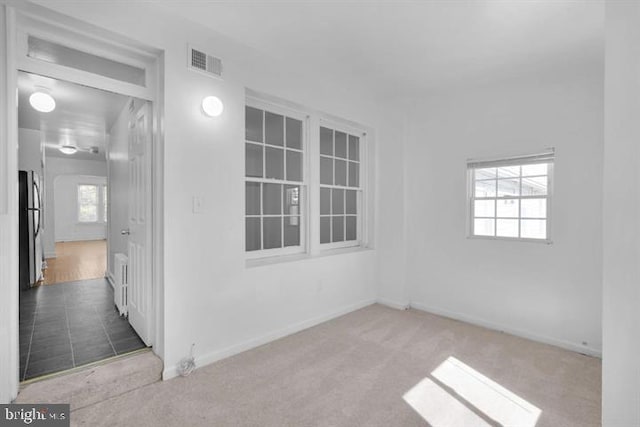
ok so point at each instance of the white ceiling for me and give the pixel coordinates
(82, 117)
(409, 47)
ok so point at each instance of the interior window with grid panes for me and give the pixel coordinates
(511, 201)
(340, 190)
(274, 181)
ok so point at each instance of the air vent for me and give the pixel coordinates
(209, 64)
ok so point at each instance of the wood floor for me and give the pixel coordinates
(77, 261)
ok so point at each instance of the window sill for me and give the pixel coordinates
(512, 239)
(278, 259)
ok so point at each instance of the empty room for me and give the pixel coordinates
(320, 213)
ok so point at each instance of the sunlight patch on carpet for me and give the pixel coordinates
(456, 394)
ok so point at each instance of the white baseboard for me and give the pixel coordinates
(48, 255)
(111, 279)
(172, 371)
(85, 238)
(568, 345)
(393, 304)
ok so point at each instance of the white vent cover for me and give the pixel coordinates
(203, 62)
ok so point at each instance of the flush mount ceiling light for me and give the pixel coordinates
(68, 149)
(212, 106)
(42, 101)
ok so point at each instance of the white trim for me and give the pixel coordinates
(9, 345)
(172, 371)
(393, 304)
(568, 345)
(542, 156)
(112, 281)
(9, 359)
(49, 255)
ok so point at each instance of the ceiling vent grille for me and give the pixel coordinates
(208, 64)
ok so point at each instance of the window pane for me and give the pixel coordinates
(509, 172)
(87, 203)
(252, 198)
(252, 234)
(352, 228)
(272, 232)
(533, 228)
(534, 208)
(291, 231)
(508, 187)
(105, 203)
(274, 128)
(337, 201)
(341, 144)
(507, 208)
(253, 160)
(485, 173)
(539, 169)
(253, 124)
(507, 228)
(291, 202)
(534, 186)
(325, 201)
(326, 141)
(354, 148)
(325, 229)
(354, 174)
(483, 227)
(338, 228)
(272, 199)
(274, 163)
(294, 133)
(486, 188)
(484, 208)
(351, 202)
(341, 172)
(294, 165)
(326, 170)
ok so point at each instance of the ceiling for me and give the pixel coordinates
(409, 47)
(82, 117)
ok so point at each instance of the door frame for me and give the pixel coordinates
(32, 19)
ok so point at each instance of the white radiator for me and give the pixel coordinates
(122, 280)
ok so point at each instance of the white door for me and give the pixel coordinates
(140, 284)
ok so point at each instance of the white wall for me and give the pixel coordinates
(30, 153)
(57, 167)
(67, 227)
(621, 308)
(551, 292)
(118, 166)
(211, 297)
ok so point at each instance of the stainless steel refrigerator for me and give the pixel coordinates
(30, 229)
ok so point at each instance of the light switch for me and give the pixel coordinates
(198, 205)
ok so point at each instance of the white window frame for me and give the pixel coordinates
(547, 156)
(101, 190)
(361, 189)
(255, 102)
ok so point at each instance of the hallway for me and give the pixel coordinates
(77, 261)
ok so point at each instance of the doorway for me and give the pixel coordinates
(83, 150)
(55, 46)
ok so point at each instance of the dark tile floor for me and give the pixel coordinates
(71, 324)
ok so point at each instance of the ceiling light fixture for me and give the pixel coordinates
(68, 149)
(42, 101)
(212, 106)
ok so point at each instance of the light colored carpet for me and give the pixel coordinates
(355, 370)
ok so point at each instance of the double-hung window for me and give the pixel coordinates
(340, 187)
(275, 185)
(92, 203)
(511, 198)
